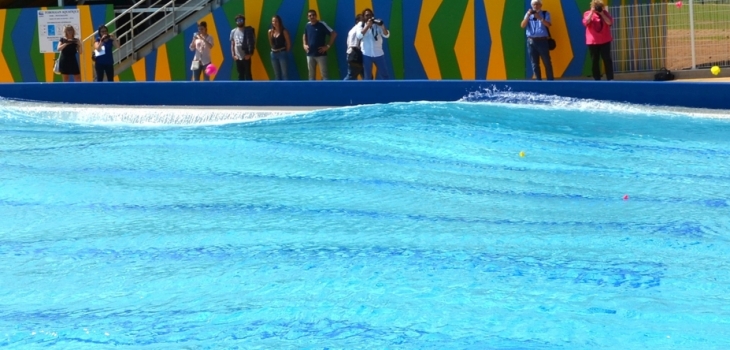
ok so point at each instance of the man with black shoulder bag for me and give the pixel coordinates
(536, 24)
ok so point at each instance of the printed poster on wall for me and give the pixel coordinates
(51, 24)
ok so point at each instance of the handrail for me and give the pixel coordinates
(115, 19)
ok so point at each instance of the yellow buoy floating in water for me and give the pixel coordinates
(522, 153)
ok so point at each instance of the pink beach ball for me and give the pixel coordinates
(211, 69)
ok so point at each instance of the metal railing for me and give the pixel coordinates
(678, 35)
(136, 27)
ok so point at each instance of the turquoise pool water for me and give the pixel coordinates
(414, 225)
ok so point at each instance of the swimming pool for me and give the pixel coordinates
(405, 225)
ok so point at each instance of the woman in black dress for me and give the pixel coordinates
(67, 62)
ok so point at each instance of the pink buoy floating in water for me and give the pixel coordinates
(211, 70)
(678, 4)
(626, 197)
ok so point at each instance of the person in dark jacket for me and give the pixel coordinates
(243, 43)
(103, 59)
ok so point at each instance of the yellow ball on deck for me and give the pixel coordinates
(715, 70)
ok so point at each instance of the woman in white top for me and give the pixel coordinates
(373, 34)
(202, 43)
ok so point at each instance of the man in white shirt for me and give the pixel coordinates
(354, 53)
(372, 34)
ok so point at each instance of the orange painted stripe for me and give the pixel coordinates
(139, 71)
(464, 47)
(497, 69)
(162, 67)
(87, 27)
(5, 76)
(424, 40)
(253, 11)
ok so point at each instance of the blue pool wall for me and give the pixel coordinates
(348, 93)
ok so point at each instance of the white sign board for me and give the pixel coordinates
(51, 24)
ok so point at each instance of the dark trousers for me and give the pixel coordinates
(597, 52)
(537, 49)
(244, 69)
(353, 71)
(102, 69)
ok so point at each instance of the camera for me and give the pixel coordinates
(532, 12)
(599, 8)
(378, 21)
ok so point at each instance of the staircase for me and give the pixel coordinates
(143, 27)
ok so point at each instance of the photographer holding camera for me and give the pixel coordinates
(536, 23)
(372, 34)
(598, 24)
(104, 61)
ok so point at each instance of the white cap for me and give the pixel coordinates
(533, 2)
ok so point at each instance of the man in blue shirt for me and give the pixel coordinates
(314, 39)
(536, 24)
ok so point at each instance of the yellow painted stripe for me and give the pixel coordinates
(363, 4)
(424, 40)
(465, 45)
(139, 70)
(5, 76)
(216, 53)
(162, 67)
(87, 27)
(253, 11)
(563, 53)
(496, 70)
(48, 61)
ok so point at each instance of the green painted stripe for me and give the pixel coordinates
(110, 16)
(127, 74)
(176, 58)
(11, 17)
(231, 9)
(395, 42)
(36, 57)
(445, 27)
(328, 14)
(271, 7)
(513, 37)
(300, 56)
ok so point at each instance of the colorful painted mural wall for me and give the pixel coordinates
(430, 39)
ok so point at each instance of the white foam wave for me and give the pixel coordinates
(507, 97)
(137, 115)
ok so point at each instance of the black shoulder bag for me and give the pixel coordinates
(551, 42)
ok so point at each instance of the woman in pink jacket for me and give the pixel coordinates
(598, 24)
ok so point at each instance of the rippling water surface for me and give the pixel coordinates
(413, 225)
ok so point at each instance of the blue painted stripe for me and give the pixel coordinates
(345, 20)
(291, 14)
(22, 36)
(98, 15)
(383, 10)
(413, 67)
(224, 31)
(576, 32)
(150, 64)
(482, 38)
